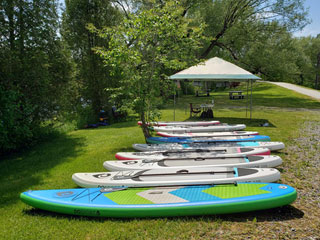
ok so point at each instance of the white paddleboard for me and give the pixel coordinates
(175, 176)
(206, 134)
(242, 162)
(176, 123)
(210, 128)
(193, 153)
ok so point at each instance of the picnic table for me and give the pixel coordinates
(236, 95)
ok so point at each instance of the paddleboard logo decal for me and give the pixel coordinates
(65, 194)
(101, 175)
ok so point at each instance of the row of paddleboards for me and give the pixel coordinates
(215, 175)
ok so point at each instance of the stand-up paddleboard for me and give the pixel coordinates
(207, 134)
(175, 177)
(251, 138)
(162, 201)
(198, 123)
(272, 146)
(210, 128)
(242, 162)
(202, 153)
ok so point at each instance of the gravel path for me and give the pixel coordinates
(301, 168)
(309, 92)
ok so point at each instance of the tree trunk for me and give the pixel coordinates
(144, 126)
(11, 37)
(21, 33)
(11, 26)
(301, 79)
(317, 80)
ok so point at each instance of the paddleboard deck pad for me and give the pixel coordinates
(162, 201)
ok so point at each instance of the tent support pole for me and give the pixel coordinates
(174, 102)
(251, 101)
(247, 98)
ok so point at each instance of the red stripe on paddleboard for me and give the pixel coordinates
(163, 134)
(261, 154)
(119, 157)
(265, 153)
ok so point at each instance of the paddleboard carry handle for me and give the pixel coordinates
(195, 159)
(182, 171)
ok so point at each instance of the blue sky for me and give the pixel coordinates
(314, 13)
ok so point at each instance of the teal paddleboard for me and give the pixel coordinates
(162, 201)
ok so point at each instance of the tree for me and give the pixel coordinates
(91, 75)
(221, 16)
(310, 47)
(143, 48)
(34, 69)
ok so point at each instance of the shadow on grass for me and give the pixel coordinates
(269, 215)
(22, 171)
(124, 149)
(131, 123)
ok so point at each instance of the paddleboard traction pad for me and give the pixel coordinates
(163, 201)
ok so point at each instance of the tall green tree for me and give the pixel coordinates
(143, 48)
(91, 75)
(309, 48)
(34, 69)
(221, 16)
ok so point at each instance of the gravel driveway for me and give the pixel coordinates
(309, 92)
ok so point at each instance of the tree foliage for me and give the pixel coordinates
(222, 16)
(143, 49)
(91, 75)
(34, 69)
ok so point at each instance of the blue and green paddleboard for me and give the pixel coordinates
(162, 201)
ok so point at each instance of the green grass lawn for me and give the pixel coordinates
(51, 164)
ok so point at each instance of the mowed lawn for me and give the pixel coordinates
(50, 165)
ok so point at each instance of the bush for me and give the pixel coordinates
(85, 115)
(16, 127)
(187, 88)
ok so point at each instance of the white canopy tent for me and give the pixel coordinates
(219, 70)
